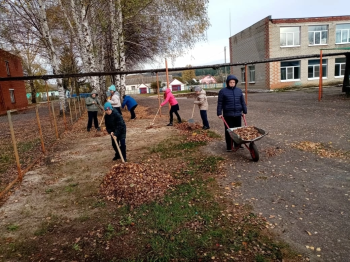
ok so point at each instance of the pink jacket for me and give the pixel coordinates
(169, 97)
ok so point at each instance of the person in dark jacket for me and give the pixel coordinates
(92, 105)
(115, 125)
(131, 104)
(230, 106)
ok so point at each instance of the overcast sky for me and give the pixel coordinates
(244, 14)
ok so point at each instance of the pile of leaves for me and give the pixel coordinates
(185, 126)
(247, 132)
(135, 184)
(193, 132)
(320, 150)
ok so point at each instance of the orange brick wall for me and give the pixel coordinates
(15, 66)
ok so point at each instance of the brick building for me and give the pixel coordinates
(12, 93)
(271, 38)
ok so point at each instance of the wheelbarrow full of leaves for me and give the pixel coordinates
(247, 135)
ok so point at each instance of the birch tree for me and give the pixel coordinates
(81, 28)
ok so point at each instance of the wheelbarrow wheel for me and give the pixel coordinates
(254, 152)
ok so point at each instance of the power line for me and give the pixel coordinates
(215, 67)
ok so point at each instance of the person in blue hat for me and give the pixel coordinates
(230, 107)
(115, 126)
(115, 98)
(131, 105)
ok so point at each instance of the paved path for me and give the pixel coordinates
(306, 198)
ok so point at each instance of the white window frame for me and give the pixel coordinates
(7, 64)
(340, 68)
(290, 68)
(12, 96)
(286, 34)
(133, 88)
(347, 30)
(243, 74)
(251, 74)
(320, 35)
(313, 69)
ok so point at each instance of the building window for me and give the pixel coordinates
(133, 88)
(8, 68)
(290, 70)
(342, 34)
(318, 34)
(12, 95)
(251, 74)
(339, 67)
(314, 68)
(243, 74)
(290, 36)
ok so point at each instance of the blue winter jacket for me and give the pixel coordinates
(129, 102)
(231, 101)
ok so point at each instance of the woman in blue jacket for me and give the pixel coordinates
(131, 104)
(231, 105)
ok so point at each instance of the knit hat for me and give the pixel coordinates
(112, 88)
(197, 89)
(107, 106)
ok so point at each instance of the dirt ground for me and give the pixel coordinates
(304, 196)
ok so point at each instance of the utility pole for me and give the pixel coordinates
(225, 62)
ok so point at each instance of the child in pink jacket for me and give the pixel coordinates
(169, 97)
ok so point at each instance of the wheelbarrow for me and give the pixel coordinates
(239, 141)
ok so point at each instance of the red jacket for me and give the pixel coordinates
(169, 97)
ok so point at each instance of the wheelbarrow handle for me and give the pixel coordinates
(223, 119)
(245, 122)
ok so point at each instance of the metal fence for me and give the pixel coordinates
(26, 135)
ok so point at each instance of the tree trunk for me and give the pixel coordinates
(115, 43)
(122, 64)
(51, 50)
(83, 39)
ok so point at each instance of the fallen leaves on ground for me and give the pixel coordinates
(272, 151)
(320, 150)
(194, 132)
(135, 184)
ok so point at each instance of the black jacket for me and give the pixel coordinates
(115, 123)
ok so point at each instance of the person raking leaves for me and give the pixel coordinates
(169, 97)
(115, 126)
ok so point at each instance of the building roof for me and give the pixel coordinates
(208, 78)
(176, 82)
(310, 19)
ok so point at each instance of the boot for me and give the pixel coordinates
(88, 129)
(98, 129)
(116, 157)
(170, 124)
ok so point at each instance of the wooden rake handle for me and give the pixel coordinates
(103, 117)
(120, 153)
(156, 115)
(193, 110)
